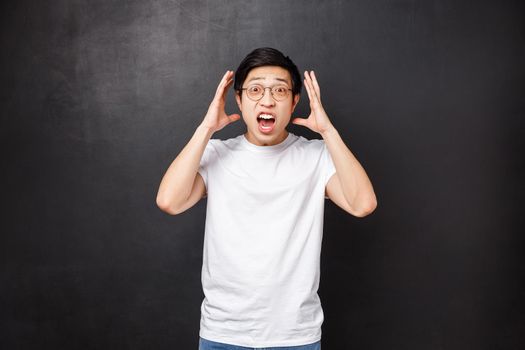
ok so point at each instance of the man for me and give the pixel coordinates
(265, 202)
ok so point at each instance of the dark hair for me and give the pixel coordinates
(266, 56)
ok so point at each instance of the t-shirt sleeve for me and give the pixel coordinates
(328, 167)
(205, 162)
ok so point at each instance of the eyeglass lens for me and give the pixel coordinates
(256, 92)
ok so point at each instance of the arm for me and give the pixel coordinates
(180, 182)
(349, 187)
(182, 186)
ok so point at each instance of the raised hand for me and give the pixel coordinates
(216, 117)
(318, 120)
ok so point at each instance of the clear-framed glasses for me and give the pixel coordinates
(256, 92)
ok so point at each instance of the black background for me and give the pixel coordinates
(98, 97)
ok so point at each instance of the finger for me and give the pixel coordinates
(234, 117)
(316, 86)
(223, 91)
(311, 93)
(222, 83)
(307, 86)
(217, 91)
(226, 87)
(224, 79)
(315, 98)
(299, 121)
(313, 88)
(227, 83)
(308, 83)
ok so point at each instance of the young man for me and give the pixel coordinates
(265, 202)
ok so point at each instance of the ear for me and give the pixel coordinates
(238, 99)
(295, 101)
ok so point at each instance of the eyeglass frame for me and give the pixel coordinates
(264, 92)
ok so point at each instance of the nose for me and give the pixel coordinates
(267, 98)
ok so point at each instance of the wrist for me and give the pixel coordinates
(328, 131)
(205, 129)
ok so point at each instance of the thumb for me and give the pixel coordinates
(299, 121)
(234, 117)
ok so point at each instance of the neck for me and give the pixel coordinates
(266, 141)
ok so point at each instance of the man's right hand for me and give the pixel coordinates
(216, 117)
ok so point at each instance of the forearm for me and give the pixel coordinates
(177, 183)
(356, 186)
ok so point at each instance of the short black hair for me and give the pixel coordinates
(267, 56)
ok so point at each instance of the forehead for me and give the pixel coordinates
(267, 74)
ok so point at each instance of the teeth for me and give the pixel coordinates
(266, 116)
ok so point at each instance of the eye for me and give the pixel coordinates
(254, 88)
(280, 89)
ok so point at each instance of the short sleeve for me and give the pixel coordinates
(327, 165)
(206, 161)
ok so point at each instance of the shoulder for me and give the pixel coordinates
(227, 145)
(309, 145)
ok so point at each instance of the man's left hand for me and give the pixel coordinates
(318, 119)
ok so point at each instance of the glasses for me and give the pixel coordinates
(256, 92)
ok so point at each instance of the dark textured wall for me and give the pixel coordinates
(98, 97)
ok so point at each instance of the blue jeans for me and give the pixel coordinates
(205, 344)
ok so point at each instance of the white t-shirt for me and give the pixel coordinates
(262, 242)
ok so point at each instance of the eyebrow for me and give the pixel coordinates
(262, 78)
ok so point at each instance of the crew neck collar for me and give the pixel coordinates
(267, 149)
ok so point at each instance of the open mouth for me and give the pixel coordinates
(266, 122)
